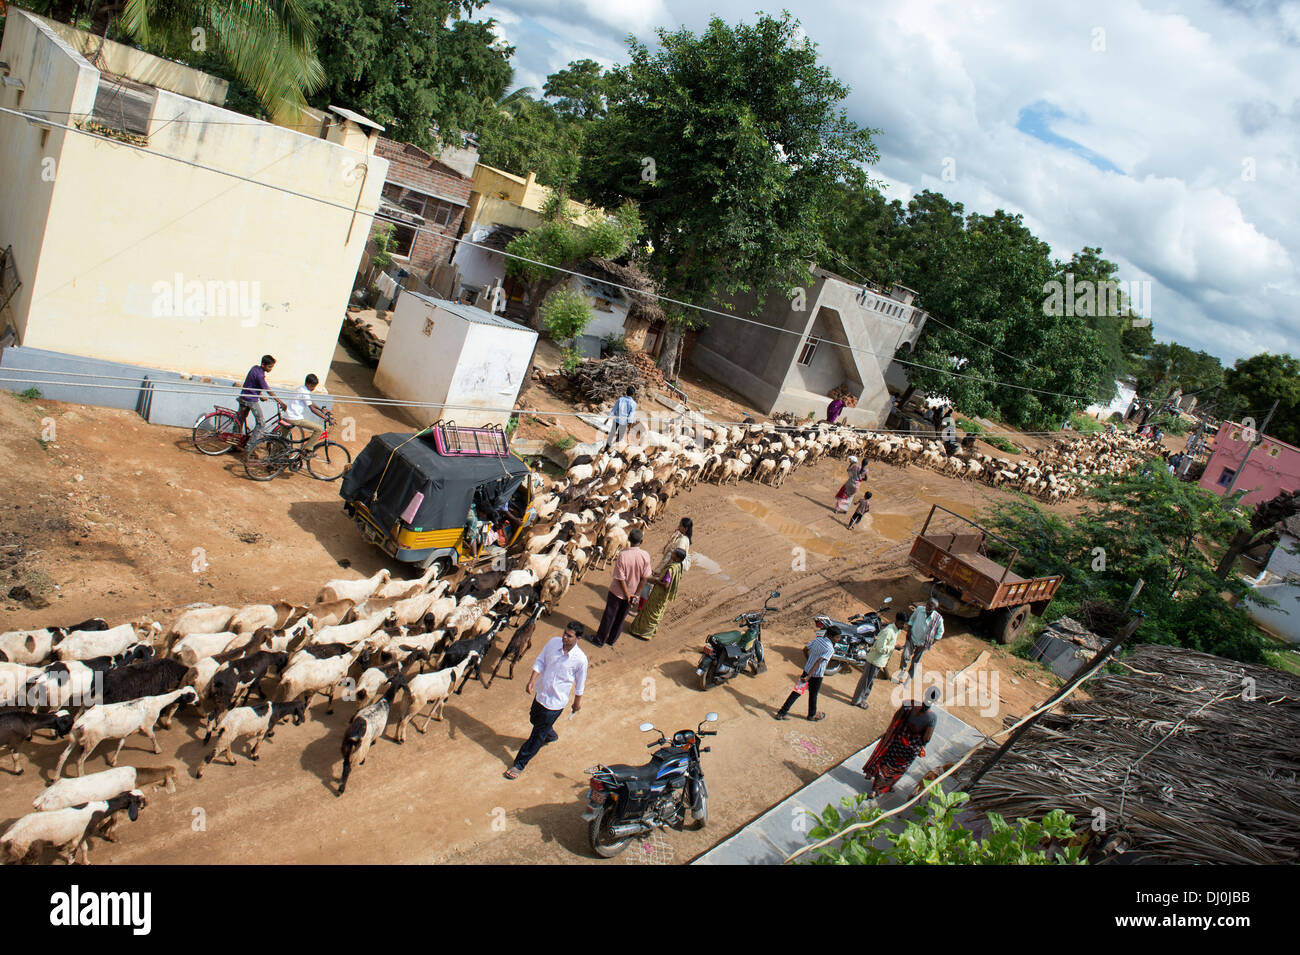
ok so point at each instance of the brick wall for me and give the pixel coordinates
(413, 167)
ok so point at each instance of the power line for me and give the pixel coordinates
(89, 380)
(376, 216)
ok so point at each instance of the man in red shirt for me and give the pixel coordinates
(631, 569)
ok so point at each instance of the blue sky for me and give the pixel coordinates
(1166, 133)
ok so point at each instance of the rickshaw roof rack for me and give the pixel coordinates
(451, 439)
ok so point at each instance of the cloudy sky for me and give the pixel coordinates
(1166, 133)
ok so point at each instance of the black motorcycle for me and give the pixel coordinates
(629, 802)
(735, 651)
(852, 639)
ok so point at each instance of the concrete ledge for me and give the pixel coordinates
(771, 837)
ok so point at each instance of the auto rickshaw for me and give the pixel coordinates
(411, 494)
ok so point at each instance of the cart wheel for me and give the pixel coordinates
(1011, 621)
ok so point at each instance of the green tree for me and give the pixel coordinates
(994, 347)
(565, 313)
(521, 134)
(936, 836)
(579, 90)
(424, 69)
(732, 141)
(865, 238)
(1255, 383)
(1170, 366)
(268, 45)
(1146, 525)
(559, 241)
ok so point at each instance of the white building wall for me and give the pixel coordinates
(418, 367)
(1280, 581)
(491, 370)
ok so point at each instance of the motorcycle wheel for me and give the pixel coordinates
(701, 819)
(832, 669)
(602, 843)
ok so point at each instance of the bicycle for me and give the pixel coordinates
(276, 452)
(222, 430)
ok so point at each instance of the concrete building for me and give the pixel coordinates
(845, 334)
(1280, 581)
(1273, 467)
(498, 197)
(447, 353)
(149, 226)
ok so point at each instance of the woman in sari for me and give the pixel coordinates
(904, 740)
(662, 590)
(681, 539)
(849, 488)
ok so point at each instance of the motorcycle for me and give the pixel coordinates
(852, 640)
(628, 802)
(735, 651)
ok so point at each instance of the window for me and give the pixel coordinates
(1226, 477)
(1236, 436)
(1274, 452)
(809, 349)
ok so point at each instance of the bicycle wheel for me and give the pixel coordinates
(328, 461)
(266, 457)
(216, 432)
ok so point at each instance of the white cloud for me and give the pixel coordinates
(1182, 101)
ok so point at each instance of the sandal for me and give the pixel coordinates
(819, 716)
(512, 773)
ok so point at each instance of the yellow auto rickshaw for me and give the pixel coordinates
(412, 494)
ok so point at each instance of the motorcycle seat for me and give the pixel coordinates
(645, 774)
(729, 637)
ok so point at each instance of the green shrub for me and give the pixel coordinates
(571, 361)
(1085, 423)
(565, 314)
(935, 836)
(31, 394)
(614, 345)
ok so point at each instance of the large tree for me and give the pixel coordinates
(425, 69)
(733, 141)
(579, 90)
(993, 347)
(521, 134)
(1254, 383)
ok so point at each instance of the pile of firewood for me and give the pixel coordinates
(844, 394)
(597, 383)
(361, 330)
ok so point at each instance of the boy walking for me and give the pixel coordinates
(864, 505)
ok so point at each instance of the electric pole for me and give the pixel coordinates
(1259, 438)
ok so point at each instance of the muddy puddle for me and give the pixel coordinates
(791, 529)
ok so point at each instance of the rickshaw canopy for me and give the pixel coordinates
(394, 468)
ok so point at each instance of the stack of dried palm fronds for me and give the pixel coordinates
(1189, 758)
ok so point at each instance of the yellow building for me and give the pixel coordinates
(502, 198)
(150, 226)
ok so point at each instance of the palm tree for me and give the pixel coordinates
(269, 45)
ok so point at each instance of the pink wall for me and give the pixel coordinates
(1274, 466)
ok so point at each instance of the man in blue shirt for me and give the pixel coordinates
(621, 415)
(255, 388)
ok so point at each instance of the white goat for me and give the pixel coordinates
(108, 721)
(358, 590)
(425, 688)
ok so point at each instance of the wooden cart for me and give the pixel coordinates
(969, 583)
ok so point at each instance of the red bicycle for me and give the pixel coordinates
(223, 429)
(286, 448)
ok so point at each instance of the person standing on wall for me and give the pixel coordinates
(561, 667)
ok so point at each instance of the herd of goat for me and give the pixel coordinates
(378, 641)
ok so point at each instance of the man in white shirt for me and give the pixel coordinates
(295, 415)
(621, 416)
(560, 668)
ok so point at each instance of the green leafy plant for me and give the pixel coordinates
(996, 440)
(1170, 424)
(935, 836)
(1085, 423)
(512, 425)
(572, 359)
(31, 394)
(565, 313)
(566, 442)
(614, 344)
(1146, 525)
(384, 240)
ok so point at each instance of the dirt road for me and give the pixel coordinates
(120, 543)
